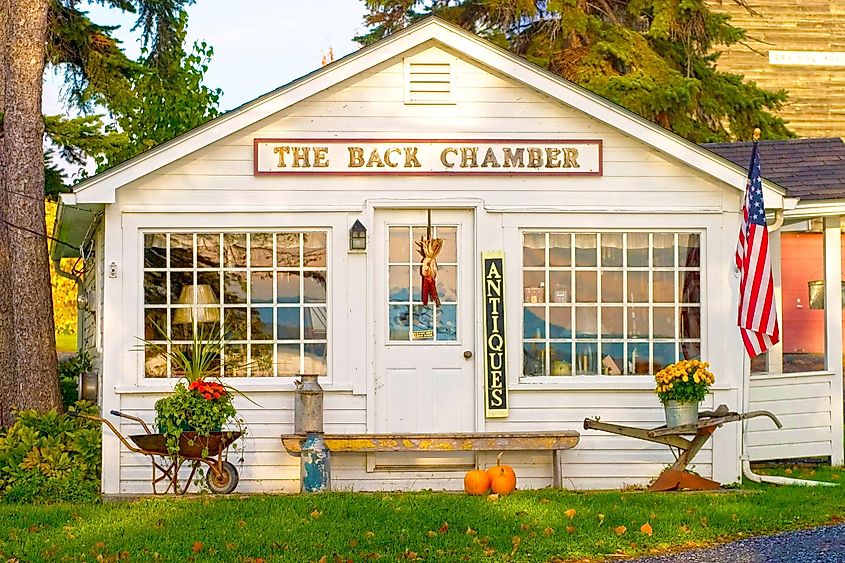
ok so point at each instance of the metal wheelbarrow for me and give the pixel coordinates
(222, 476)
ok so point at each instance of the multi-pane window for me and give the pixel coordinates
(408, 318)
(609, 303)
(265, 292)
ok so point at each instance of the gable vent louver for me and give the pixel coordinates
(429, 82)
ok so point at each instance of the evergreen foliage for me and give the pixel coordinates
(127, 106)
(656, 58)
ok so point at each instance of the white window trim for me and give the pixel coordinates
(614, 382)
(248, 270)
(131, 273)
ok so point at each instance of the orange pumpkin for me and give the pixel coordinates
(502, 477)
(476, 482)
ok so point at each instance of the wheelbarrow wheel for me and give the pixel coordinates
(223, 481)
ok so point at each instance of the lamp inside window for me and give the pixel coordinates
(199, 297)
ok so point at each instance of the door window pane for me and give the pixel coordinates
(408, 320)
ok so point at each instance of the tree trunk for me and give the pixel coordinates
(23, 168)
(8, 383)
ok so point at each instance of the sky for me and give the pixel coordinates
(259, 45)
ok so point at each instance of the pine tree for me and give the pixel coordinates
(34, 33)
(656, 58)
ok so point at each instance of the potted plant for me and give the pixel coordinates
(200, 402)
(680, 387)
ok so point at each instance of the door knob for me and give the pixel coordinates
(467, 354)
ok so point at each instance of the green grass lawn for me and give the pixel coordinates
(526, 526)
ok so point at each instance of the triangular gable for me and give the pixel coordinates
(101, 188)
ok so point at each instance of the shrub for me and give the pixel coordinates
(69, 371)
(51, 457)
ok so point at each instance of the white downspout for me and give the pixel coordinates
(746, 406)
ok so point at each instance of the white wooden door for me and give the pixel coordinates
(425, 358)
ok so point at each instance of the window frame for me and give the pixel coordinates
(598, 379)
(275, 269)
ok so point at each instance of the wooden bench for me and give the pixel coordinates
(554, 442)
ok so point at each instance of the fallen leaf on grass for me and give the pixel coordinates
(620, 530)
(703, 521)
(471, 532)
(443, 528)
(646, 529)
(316, 513)
(524, 527)
(548, 532)
(432, 534)
(493, 497)
(570, 513)
(241, 524)
(368, 534)
(544, 501)
(197, 547)
(601, 518)
(570, 529)
(489, 551)
(685, 528)
(353, 543)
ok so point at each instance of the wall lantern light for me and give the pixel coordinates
(357, 237)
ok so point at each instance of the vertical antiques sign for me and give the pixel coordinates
(495, 360)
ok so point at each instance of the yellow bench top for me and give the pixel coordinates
(455, 442)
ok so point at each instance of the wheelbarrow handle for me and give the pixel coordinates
(130, 417)
(114, 430)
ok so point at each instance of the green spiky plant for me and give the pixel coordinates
(202, 403)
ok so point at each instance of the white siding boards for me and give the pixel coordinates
(430, 82)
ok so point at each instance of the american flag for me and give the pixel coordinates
(757, 318)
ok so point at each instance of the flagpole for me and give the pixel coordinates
(745, 460)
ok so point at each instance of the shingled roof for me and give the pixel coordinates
(809, 169)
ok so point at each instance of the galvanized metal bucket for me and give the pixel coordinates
(679, 414)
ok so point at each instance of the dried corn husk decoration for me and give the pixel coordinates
(429, 248)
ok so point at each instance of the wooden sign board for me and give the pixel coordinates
(495, 358)
(490, 157)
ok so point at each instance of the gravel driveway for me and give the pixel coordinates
(819, 545)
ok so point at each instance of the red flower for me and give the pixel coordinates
(216, 395)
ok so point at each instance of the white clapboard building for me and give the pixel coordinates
(617, 239)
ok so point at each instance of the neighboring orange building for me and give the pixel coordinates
(814, 171)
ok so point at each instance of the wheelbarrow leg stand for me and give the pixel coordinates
(676, 477)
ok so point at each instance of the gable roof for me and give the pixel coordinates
(101, 187)
(810, 169)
